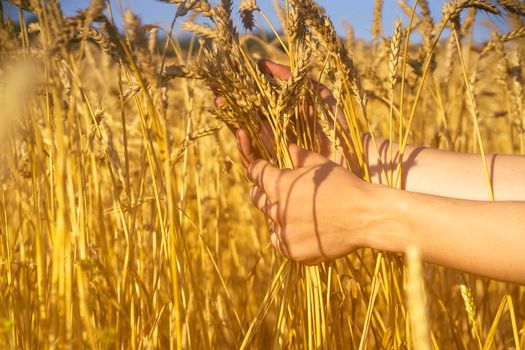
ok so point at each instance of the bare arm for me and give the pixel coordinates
(432, 171)
(450, 174)
(322, 211)
(484, 238)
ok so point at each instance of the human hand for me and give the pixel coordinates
(324, 146)
(324, 97)
(317, 210)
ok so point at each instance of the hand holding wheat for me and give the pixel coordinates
(306, 204)
(325, 146)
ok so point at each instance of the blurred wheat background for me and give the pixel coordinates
(125, 221)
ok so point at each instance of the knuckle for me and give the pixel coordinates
(255, 166)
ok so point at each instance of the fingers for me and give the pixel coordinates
(275, 242)
(276, 70)
(264, 204)
(279, 245)
(244, 144)
(265, 176)
(259, 198)
(324, 93)
(261, 201)
(300, 158)
(267, 138)
(248, 154)
(218, 100)
(283, 72)
(303, 158)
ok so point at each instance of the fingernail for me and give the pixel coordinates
(218, 100)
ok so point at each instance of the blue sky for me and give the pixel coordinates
(356, 12)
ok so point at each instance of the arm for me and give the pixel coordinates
(450, 174)
(322, 211)
(484, 238)
(432, 171)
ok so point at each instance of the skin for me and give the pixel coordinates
(320, 210)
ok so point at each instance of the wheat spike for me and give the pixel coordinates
(452, 10)
(395, 46)
(246, 9)
(377, 26)
(202, 30)
(515, 7)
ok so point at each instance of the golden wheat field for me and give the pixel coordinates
(125, 220)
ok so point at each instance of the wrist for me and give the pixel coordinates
(390, 228)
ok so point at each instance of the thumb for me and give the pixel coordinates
(247, 151)
(302, 158)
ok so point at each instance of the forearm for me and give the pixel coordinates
(449, 174)
(484, 238)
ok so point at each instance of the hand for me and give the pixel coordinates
(325, 146)
(325, 97)
(318, 210)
